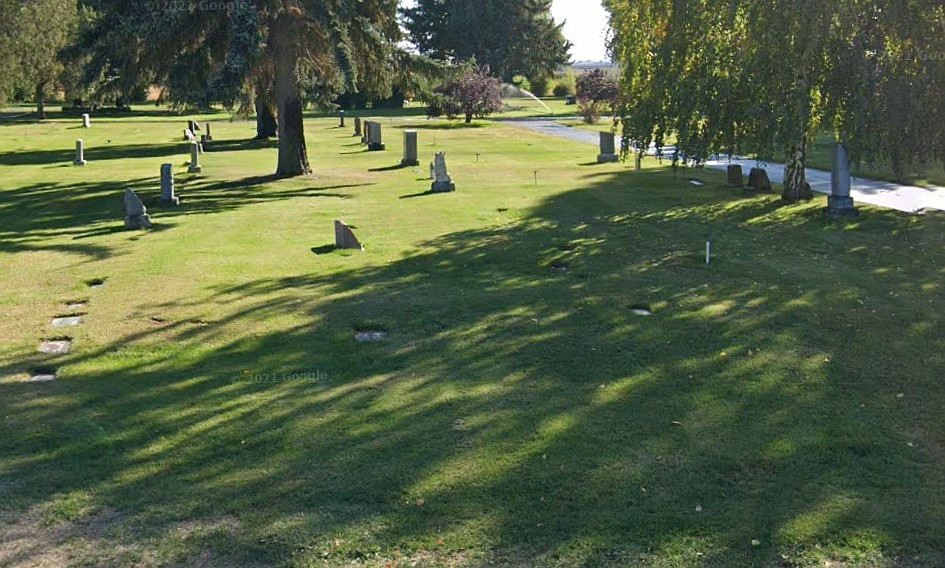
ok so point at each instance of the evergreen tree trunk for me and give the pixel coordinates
(293, 156)
(266, 126)
(41, 101)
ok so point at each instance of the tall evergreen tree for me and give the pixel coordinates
(511, 37)
(278, 49)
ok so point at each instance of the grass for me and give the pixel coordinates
(781, 408)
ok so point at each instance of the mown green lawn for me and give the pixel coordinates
(782, 407)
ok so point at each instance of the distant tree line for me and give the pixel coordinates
(272, 58)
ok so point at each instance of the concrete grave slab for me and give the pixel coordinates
(56, 347)
(67, 321)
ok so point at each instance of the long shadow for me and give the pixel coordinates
(33, 216)
(391, 168)
(30, 116)
(119, 152)
(517, 411)
(460, 125)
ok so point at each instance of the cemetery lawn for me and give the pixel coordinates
(781, 407)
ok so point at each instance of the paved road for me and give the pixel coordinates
(906, 198)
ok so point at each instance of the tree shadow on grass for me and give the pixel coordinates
(447, 125)
(123, 151)
(40, 216)
(517, 414)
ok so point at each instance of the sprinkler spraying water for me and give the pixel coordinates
(512, 92)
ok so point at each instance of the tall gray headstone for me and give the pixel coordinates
(136, 214)
(375, 140)
(86, 120)
(410, 149)
(357, 126)
(607, 151)
(839, 203)
(341, 118)
(208, 136)
(194, 159)
(365, 128)
(442, 181)
(79, 153)
(734, 176)
(167, 185)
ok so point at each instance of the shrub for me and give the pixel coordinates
(540, 86)
(565, 85)
(439, 104)
(476, 93)
(595, 91)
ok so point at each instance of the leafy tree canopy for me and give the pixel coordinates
(764, 75)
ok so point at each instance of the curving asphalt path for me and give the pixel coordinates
(908, 198)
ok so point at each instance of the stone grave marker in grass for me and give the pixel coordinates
(410, 149)
(442, 181)
(839, 203)
(194, 167)
(66, 321)
(79, 153)
(136, 214)
(370, 336)
(641, 309)
(607, 151)
(43, 374)
(758, 180)
(734, 178)
(167, 185)
(344, 237)
(56, 346)
(375, 137)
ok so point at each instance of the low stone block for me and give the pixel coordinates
(67, 321)
(56, 347)
(758, 180)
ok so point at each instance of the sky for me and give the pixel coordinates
(585, 26)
